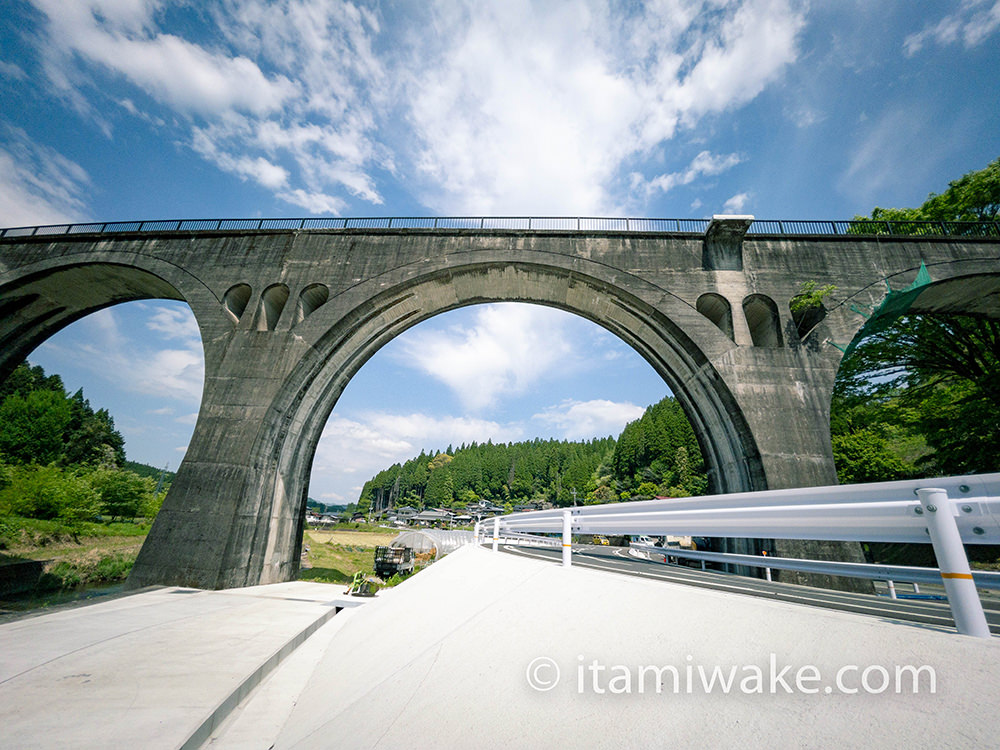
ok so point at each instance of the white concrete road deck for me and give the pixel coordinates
(442, 661)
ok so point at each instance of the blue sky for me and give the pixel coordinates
(146, 109)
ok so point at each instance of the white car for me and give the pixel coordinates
(644, 540)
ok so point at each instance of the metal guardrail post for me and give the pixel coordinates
(940, 513)
(496, 533)
(567, 539)
(475, 534)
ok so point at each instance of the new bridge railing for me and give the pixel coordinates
(531, 223)
(945, 512)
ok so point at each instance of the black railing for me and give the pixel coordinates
(529, 223)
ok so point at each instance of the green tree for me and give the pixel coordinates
(49, 493)
(926, 380)
(122, 494)
(440, 487)
(865, 456)
(40, 423)
(32, 427)
(973, 197)
(91, 436)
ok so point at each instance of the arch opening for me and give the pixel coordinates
(762, 319)
(494, 374)
(114, 366)
(908, 395)
(342, 346)
(272, 303)
(716, 308)
(310, 299)
(236, 300)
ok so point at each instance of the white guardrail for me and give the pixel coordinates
(946, 512)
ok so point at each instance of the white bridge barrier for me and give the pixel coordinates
(519, 538)
(945, 512)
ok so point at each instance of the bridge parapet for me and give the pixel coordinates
(789, 227)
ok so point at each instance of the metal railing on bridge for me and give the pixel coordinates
(945, 512)
(526, 223)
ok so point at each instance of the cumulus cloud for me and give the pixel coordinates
(971, 24)
(736, 203)
(141, 365)
(705, 164)
(581, 420)
(39, 185)
(507, 349)
(363, 445)
(119, 36)
(533, 106)
(517, 107)
(278, 93)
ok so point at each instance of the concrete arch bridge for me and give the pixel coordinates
(290, 310)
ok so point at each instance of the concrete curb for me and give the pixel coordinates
(215, 719)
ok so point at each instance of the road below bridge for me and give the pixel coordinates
(929, 611)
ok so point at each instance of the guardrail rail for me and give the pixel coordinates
(945, 512)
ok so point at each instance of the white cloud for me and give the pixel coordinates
(39, 185)
(524, 106)
(507, 349)
(284, 94)
(705, 164)
(882, 166)
(11, 72)
(582, 420)
(534, 106)
(365, 445)
(136, 365)
(173, 322)
(972, 24)
(316, 203)
(178, 73)
(736, 203)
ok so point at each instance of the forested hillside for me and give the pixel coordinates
(655, 455)
(62, 460)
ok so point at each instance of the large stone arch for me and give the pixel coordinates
(47, 296)
(234, 504)
(301, 409)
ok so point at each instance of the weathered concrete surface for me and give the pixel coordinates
(149, 670)
(288, 317)
(449, 670)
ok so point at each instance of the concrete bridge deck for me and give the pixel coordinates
(443, 661)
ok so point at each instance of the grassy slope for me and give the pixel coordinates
(88, 553)
(335, 556)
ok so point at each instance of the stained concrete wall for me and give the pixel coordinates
(288, 317)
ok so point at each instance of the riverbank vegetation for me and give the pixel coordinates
(68, 496)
